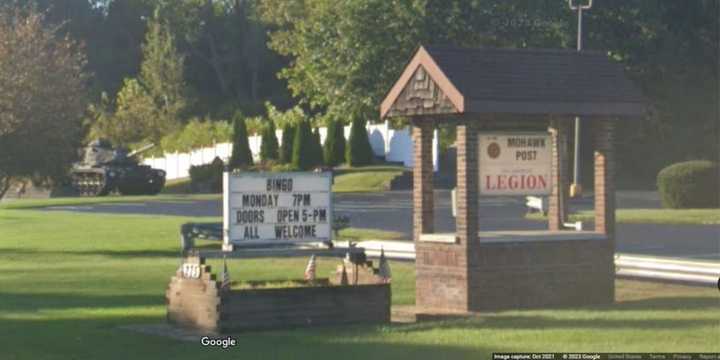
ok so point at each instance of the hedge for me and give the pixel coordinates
(208, 177)
(690, 184)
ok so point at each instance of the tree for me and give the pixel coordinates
(154, 104)
(241, 156)
(43, 96)
(359, 152)
(288, 138)
(302, 158)
(269, 144)
(334, 149)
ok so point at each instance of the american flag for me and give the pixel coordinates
(225, 276)
(310, 269)
(384, 268)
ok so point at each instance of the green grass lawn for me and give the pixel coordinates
(70, 282)
(365, 179)
(651, 216)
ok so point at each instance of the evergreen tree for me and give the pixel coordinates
(269, 145)
(162, 70)
(359, 152)
(153, 104)
(302, 158)
(334, 149)
(241, 155)
(288, 138)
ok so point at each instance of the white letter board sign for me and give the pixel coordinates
(270, 207)
(515, 163)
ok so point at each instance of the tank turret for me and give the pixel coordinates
(105, 169)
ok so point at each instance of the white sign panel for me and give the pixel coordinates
(277, 207)
(515, 163)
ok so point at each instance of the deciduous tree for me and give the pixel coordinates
(43, 97)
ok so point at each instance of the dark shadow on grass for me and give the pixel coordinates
(667, 303)
(103, 338)
(539, 322)
(501, 321)
(13, 252)
(374, 169)
(32, 302)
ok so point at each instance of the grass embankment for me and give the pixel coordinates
(69, 282)
(360, 179)
(365, 179)
(651, 216)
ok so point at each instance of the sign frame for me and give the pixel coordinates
(227, 234)
(482, 165)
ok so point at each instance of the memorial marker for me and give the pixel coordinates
(515, 163)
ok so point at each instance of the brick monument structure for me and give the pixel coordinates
(512, 90)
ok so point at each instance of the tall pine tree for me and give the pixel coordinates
(334, 148)
(288, 138)
(302, 158)
(153, 104)
(359, 152)
(269, 143)
(241, 156)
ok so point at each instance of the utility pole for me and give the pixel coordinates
(576, 188)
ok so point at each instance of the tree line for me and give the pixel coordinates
(149, 70)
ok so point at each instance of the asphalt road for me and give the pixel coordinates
(393, 211)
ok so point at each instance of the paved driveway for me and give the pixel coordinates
(393, 211)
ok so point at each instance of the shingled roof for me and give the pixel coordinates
(518, 81)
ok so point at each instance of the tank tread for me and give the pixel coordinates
(89, 184)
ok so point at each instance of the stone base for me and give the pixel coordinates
(513, 274)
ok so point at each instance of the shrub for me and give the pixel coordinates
(334, 149)
(241, 155)
(208, 177)
(359, 152)
(690, 184)
(286, 150)
(282, 168)
(269, 143)
(302, 158)
(196, 134)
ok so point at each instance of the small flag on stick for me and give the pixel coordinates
(344, 277)
(310, 269)
(225, 276)
(384, 268)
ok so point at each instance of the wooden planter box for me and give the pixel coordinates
(202, 305)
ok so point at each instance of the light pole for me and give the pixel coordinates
(576, 188)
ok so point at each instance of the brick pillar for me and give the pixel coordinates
(604, 178)
(441, 267)
(557, 204)
(605, 204)
(466, 220)
(423, 215)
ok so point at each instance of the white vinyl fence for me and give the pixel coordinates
(390, 144)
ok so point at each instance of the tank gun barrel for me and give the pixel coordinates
(141, 149)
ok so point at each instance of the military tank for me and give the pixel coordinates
(105, 169)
